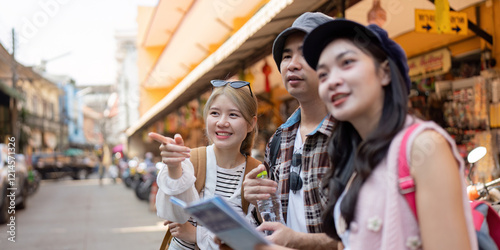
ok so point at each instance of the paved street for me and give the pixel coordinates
(82, 215)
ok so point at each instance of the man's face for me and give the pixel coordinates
(300, 80)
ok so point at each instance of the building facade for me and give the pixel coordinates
(177, 58)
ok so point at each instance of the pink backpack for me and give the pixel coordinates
(486, 219)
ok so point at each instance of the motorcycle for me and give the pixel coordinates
(129, 173)
(143, 188)
(482, 191)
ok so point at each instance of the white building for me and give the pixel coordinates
(127, 86)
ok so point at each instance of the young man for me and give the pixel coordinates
(302, 159)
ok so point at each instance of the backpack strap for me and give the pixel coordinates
(199, 160)
(407, 188)
(251, 164)
(477, 217)
(166, 240)
(492, 218)
(274, 148)
(406, 182)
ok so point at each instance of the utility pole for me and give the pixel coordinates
(13, 100)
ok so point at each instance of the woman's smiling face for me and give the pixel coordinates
(351, 82)
(225, 124)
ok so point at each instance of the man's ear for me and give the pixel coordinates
(385, 73)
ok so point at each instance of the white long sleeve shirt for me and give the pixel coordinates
(223, 182)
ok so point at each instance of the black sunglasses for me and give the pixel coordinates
(295, 180)
(233, 84)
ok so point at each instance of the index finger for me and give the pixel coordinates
(160, 138)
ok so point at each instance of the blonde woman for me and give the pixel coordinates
(231, 125)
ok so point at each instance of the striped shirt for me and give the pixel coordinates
(228, 181)
(315, 164)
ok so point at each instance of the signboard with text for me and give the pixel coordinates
(431, 64)
(425, 21)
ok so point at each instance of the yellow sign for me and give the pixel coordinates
(442, 16)
(425, 21)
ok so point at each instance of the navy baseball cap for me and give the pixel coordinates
(321, 36)
(304, 23)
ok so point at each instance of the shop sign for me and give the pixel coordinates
(425, 21)
(431, 64)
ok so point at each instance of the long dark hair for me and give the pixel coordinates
(349, 153)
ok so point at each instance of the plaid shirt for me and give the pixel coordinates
(315, 164)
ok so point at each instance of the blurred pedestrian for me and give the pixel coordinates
(113, 172)
(105, 161)
(364, 82)
(303, 137)
(231, 125)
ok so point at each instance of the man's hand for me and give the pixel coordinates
(271, 247)
(285, 236)
(257, 188)
(222, 245)
(185, 232)
(282, 235)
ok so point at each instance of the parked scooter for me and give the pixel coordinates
(143, 188)
(128, 174)
(484, 191)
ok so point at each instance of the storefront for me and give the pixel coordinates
(244, 53)
(455, 77)
(446, 69)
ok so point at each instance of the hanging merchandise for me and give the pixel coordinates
(377, 14)
(266, 69)
(172, 123)
(495, 105)
(480, 104)
(484, 168)
(466, 103)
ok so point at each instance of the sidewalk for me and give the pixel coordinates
(67, 214)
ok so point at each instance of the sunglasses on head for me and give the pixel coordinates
(233, 84)
(295, 180)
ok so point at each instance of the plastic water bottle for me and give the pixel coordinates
(270, 209)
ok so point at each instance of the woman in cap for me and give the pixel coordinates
(364, 82)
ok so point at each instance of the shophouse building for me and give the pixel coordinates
(182, 45)
(32, 116)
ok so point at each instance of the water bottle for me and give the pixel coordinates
(270, 209)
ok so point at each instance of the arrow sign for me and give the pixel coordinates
(427, 27)
(425, 21)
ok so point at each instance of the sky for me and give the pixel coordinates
(75, 36)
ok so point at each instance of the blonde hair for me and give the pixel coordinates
(246, 104)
